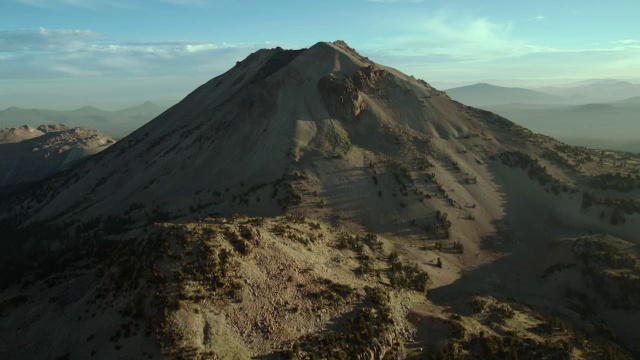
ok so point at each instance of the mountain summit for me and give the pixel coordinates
(321, 130)
(275, 112)
(301, 203)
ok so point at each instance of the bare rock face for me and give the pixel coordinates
(370, 79)
(342, 95)
(53, 128)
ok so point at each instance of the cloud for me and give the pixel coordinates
(53, 54)
(87, 4)
(184, 2)
(45, 40)
(97, 4)
(395, 1)
(458, 38)
(626, 42)
(72, 70)
(446, 46)
(88, 41)
(539, 18)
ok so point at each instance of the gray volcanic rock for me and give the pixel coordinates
(53, 128)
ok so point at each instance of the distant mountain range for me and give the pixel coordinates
(633, 100)
(600, 113)
(597, 90)
(583, 92)
(487, 94)
(118, 123)
(613, 125)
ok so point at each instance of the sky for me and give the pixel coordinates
(64, 54)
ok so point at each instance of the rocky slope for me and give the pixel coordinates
(364, 186)
(14, 135)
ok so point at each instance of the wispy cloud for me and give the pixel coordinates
(539, 18)
(46, 53)
(626, 42)
(87, 4)
(184, 2)
(72, 70)
(395, 1)
(458, 38)
(45, 39)
(447, 46)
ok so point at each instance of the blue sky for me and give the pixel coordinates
(111, 53)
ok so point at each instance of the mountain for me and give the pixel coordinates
(633, 100)
(117, 123)
(600, 143)
(315, 204)
(28, 154)
(604, 125)
(14, 135)
(487, 94)
(596, 90)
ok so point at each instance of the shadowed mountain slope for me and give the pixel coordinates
(30, 155)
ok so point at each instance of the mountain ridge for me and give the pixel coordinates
(349, 107)
(116, 123)
(486, 94)
(336, 110)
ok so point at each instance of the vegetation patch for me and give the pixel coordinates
(525, 161)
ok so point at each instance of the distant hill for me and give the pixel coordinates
(633, 100)
(596, 143)
(615, 125)
(598, 90)
(487, 94)
(28, 154)
(118, 123)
